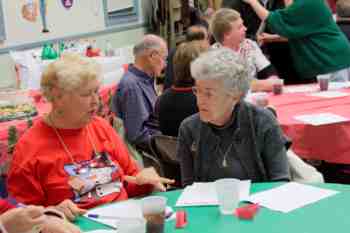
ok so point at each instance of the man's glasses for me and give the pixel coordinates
(164, 57)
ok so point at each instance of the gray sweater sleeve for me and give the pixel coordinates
(184, 154)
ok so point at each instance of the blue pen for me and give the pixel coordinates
(98, 216)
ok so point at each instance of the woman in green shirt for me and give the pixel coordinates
(317, 44)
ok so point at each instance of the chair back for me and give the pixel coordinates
(302, 172)
(164, 148)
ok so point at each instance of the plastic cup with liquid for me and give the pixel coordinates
(153, 210)
(323, 82)
(227, 191)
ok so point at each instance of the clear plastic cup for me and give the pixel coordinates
(153, 210)
(227, 191)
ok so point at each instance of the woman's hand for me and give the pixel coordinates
(21, 220)
(267, 37)
(58, 225)
(150, 176)
(70, 209)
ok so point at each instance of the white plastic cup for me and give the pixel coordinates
(131, 225)
(227, 191)
(153, 210)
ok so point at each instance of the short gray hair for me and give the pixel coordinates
(149, 41)
(223, 64)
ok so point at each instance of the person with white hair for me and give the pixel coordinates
(135, 96)
(230, 137)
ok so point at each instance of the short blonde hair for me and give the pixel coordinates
(221, 22)
(185, 54)
(69, 73)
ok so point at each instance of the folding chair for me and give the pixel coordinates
(164, 149)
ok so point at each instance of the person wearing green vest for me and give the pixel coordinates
(318, 47)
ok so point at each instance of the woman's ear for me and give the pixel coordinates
(56, 94)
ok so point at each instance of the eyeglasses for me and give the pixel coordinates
(211, 93)
(164, 57)
(206, 93)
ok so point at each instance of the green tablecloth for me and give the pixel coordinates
(327, 215)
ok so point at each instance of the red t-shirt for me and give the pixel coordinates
(43, 173)
(5, 206)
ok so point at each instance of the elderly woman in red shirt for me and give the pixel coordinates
(71, 155)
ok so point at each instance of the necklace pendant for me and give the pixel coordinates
(224, 162)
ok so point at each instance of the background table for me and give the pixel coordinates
(331, 142)
(30, 68)
(327, 215)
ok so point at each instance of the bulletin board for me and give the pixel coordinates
(63, 18)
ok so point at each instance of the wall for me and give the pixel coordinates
(120, 39)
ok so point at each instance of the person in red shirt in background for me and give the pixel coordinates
(72, 158)
(32, 219)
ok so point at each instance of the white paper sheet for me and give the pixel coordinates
(204, 194)
(329, 94)
(102, 231)
(338, 85)
(300, 88)
(321, 119)
(124, 209)
(290, 196)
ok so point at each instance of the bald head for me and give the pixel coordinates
(149, 42)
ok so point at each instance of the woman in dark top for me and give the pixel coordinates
(178, 102)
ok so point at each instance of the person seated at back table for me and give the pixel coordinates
(228, 30)
(135, 97)
(179, 102)
(228, 138)
(193, 33)
(71, 154)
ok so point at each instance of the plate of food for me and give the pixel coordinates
(16, 112)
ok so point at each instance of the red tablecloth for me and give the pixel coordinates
(326, 142)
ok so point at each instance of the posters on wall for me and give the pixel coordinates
(67, 3)
(30, 10)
